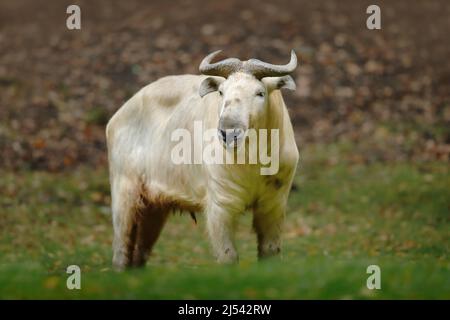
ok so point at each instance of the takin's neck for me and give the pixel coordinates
(275, 113)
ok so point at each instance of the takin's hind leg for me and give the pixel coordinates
(150, 222)
(125, 200)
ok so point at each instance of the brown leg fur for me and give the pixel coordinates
(150, 221)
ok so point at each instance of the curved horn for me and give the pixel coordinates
(262, 69)
(221, 68)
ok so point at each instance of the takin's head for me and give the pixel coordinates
(244, 87)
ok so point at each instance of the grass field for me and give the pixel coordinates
(342, 217)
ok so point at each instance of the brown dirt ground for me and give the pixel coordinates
(386, 92)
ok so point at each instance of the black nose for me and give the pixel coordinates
(223, 133)
(230, 135)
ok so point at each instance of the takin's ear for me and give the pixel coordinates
(210, 84)
(274, 83)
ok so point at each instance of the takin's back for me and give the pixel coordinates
(139, 136)
(160, 101)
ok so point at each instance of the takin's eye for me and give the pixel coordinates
(260, 94)
(220, 93)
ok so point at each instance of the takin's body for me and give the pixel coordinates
(146, 185)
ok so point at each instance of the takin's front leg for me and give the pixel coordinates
(268, 224)
(221, 224)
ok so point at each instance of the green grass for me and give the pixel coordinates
(342, 217)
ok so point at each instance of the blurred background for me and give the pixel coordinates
(387, 91)
(371, 115)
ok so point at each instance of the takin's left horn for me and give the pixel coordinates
(262, 69)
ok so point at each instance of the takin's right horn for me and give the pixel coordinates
(221, 68)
